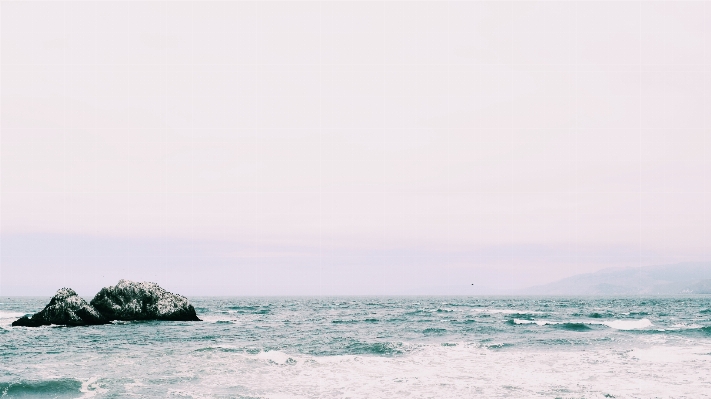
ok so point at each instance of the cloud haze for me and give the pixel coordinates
(350, 147)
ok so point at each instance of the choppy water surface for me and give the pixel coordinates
(430, 347)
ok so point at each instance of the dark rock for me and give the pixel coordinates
(65, 308)
(130, 300)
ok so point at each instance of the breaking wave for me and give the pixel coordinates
(585, 325)
(55, 388)
(378, 348)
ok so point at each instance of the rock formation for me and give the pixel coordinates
(126, 300)
(65, 308)
(129, 300)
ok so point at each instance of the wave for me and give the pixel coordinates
(628, 324)
(11, 315)
(219, 348)
(597, 315)
(693, 329)
(507, 311)
(377, 348)
(684, 326)
(499, 346)
(522, 316)
(526, 321)
(578, 325)
(638, 313)
(351, 321)
(573, 326)
(6, 318)
(219, 319)
(466, 305)
(277, 357)
(247, 307)
(385, 349)
(256, 309)
(56, 388)
(424, 311)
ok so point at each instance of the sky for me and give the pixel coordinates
(350, 148)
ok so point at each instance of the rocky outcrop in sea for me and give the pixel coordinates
(124, 301)
(130, 300)
(65, 308)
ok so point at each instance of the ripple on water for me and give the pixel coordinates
(372, 348)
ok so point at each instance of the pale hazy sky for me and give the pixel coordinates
(242, 148)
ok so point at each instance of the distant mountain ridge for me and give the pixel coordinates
(682, 278)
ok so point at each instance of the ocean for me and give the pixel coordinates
(372, 347)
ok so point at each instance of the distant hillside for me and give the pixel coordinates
(683, 278)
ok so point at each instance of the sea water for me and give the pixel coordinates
(371, 347)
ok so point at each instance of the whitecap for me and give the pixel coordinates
(218, 319)
(277, 357)
(628, 324)
(6, 318)
(11, 315)
(506, 311)
(90, 388)
(547, 322)
(684, 326)
(616, 324)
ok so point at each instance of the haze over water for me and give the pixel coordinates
(350, 148)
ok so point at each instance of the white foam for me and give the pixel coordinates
(628, 324)
(463, 371)
(6, 318)
(218, 318)
(10, 315)
(469, 370)
(505, 311)
(684, 326)
(277, 357)
(538, 322)
(89, 388)
(616, 324)
(664, 354)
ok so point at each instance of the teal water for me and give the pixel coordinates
(368, 347)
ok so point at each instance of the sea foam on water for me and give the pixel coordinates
(389, 347)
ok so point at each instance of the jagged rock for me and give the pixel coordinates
(130, 300)
(65, 308)
(127, 300)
